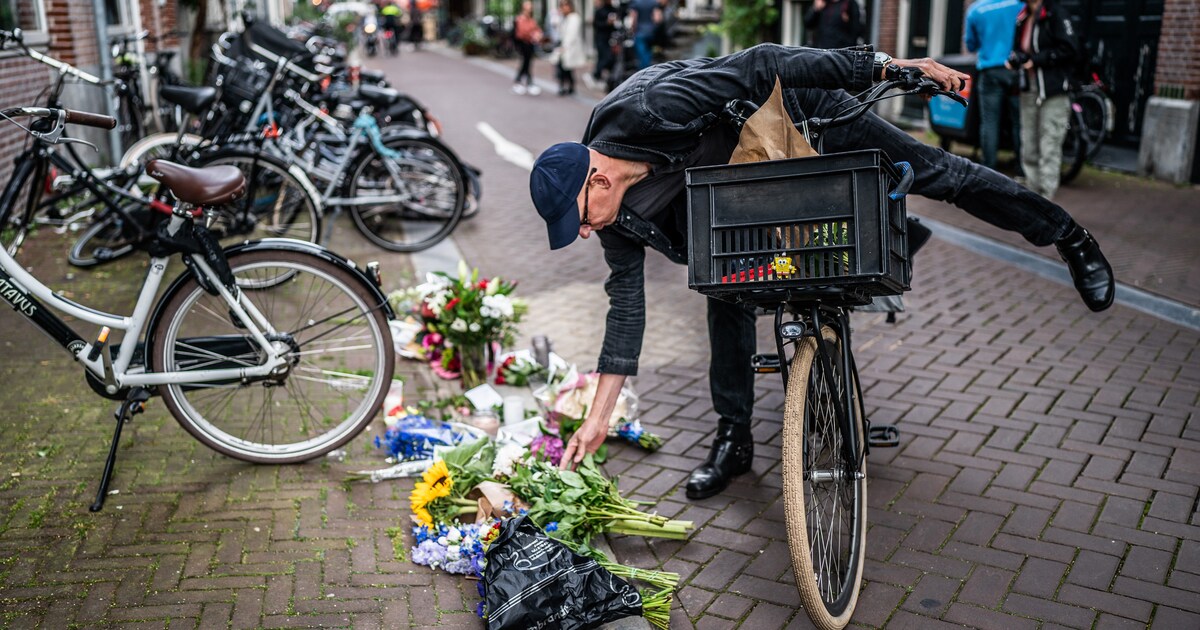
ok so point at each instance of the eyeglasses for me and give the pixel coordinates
(587, 186)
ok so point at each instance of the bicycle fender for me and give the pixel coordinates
(295, 245)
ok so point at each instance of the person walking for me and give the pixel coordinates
(643, 26)
(626, 183)
(991, 26)
(1045, 49)
(527, 35)
(834, 23)
(604, 23)
(570, 52)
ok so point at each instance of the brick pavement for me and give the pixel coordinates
(1046, 477)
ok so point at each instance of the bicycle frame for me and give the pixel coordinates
(37, 302)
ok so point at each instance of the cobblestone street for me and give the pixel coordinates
(1047, 475)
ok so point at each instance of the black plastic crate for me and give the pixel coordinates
(765, 230)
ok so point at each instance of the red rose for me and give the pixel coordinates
(451, 304)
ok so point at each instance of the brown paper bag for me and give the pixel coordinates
(769, 134)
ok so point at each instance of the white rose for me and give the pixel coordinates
(475, 327)
(458, 325)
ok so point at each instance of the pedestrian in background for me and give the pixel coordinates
(643, 12)
(570, 52)
(1045, 49)
(834, 23)
(991, 25)
(527, 35)
(604, 22)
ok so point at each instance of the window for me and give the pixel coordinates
(23, 14)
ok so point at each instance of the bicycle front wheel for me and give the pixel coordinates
(826, 507)
(430, 184)
(1093, 108)
(335, 338)
(107, 239)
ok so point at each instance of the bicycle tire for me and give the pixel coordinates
(810, 439)
(1074, 148)
(326, 378)
(14, 219)
(105, 240)
(158, 146)
(432, 177)
(1093, 108)
(129, 121)
(281, 200)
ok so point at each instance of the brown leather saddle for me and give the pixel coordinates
(210, 186)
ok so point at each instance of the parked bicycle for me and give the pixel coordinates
(840, 239)
(275, 351)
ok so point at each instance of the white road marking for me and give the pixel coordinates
(510, 151)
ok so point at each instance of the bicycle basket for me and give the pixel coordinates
(242, 83)
(765, 231)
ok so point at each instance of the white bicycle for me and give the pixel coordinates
(274, 351)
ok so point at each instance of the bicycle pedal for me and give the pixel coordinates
(765, 363)
(883, 436)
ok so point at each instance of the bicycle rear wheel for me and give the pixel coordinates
(826, 511)
(334, 335)
(1093, 108)
(432, 184)
(280, 202)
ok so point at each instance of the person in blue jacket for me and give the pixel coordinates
(991, 26)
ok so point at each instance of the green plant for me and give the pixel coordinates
(746, 22)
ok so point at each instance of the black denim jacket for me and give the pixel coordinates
(657, 116)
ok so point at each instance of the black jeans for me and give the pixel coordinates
(977, 189)
(526, 50)
(997, 93)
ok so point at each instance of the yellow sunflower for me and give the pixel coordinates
(438, 479)
(421, 496)
(423, 517)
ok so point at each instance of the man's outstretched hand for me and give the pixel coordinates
(951, 80)
(586, 440)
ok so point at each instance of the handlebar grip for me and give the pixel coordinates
(906, 181)
(89, 119)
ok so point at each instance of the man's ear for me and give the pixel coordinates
(601, 180)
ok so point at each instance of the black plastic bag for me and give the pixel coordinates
(532, 581)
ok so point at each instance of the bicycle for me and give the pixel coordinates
(274, 351)
(1089, 123)
(839, 241)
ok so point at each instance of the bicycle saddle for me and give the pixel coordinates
(213, 185)
(193, 99)
(380, 97)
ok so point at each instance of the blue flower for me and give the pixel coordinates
(552, 526)
(481, 610)
(479, 587)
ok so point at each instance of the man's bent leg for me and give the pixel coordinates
(977, 189)
(731, 335)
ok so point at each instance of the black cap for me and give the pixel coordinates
(558, 176)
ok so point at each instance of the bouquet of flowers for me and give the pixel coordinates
(451, 528)
(463, 317)
(574, 395)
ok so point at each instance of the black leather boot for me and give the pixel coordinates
(1089, 269)
(731, 455)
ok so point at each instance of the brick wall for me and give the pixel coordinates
(1178, 68)
(20, 80)
(166, 23)
(889, 18)
(72, 29)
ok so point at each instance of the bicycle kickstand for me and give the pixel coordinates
(134, 404)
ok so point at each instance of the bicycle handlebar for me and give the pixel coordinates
(88, 119)
(17, 37)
